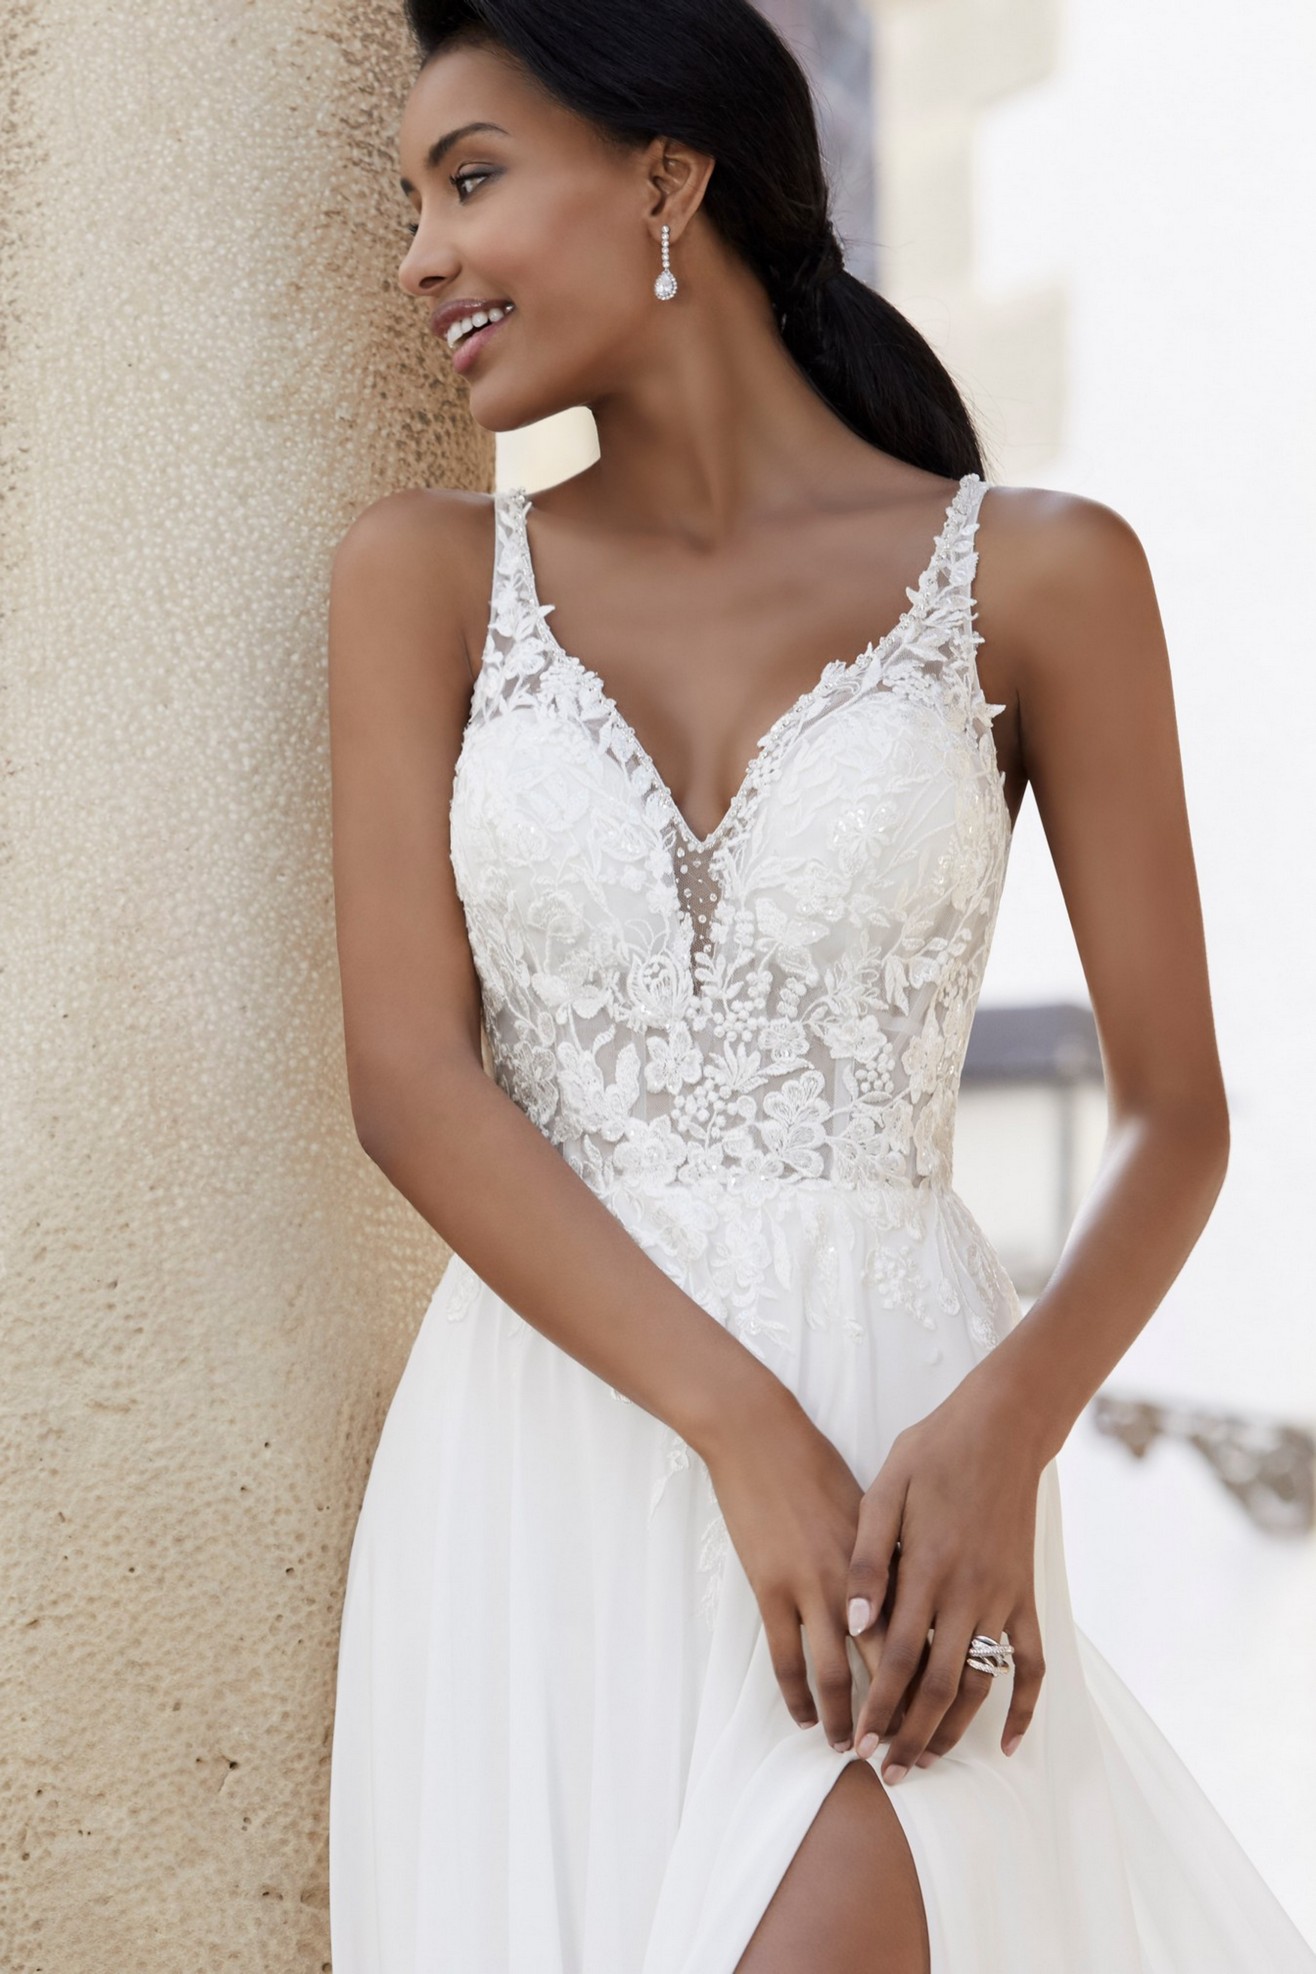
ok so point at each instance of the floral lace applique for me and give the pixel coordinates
(821, 1026)
(718, 1033)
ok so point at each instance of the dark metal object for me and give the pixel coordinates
(1268, 1467)
(1043, 1042)
(1050, 1046)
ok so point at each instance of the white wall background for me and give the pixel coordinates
(1166, 175)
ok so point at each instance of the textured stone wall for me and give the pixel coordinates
(208, 1292)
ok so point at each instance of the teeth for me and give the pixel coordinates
(477, 320)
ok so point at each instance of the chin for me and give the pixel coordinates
(494, 416)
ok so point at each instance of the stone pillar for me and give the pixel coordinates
(208, 1292)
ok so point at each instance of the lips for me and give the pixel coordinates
(461, 306)
(468, 350)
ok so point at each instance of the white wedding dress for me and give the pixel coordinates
(559, 1745)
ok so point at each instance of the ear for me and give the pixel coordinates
(677, 176)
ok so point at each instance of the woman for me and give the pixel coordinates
(707, 1611)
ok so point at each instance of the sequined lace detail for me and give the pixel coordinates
(819, 1026)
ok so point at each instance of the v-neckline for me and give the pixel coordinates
(799, 707)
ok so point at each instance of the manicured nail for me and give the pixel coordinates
(841, 1746)
(926, 1759)
(859, 1615)
(867, 1745)
(896, 1774)
(1013, 1743)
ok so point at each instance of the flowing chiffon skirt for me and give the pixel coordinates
(560, 1747)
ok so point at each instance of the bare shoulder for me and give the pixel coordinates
(446, 519)
(425, 555)
(1055, 528)
(1050, 560)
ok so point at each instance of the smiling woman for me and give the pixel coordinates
(581, 139)
(707, 1610)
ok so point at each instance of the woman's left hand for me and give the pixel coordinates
(958, 1495)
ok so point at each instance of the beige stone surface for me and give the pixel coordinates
(208, 1292)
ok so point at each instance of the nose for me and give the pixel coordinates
(425, 266)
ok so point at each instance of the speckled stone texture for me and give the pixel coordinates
(208, 1291)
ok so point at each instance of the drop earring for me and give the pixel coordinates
(665, 286)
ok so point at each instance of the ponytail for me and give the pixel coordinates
(871, 365)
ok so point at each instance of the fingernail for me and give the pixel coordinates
(859, 1615)
(926, 1759)
(866, 1746)
(1013, 1743)
(841, 1746)
(895, 1774)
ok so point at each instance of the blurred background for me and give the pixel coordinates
(1100, 214)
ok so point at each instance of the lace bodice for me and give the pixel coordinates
(789, 997)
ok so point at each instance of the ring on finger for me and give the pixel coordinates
(989, 1655)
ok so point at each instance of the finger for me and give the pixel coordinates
(956, 1718)
(869, 1643)
(877, 1540)
(895, 1720)
(902, 1655)
(938, 1688)
(832, 1676)
(1029, 1671)
(902, 1704)
(781, 1624)
(963, 1708)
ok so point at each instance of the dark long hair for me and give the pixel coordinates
(716, 75)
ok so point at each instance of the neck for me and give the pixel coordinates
(715, 425)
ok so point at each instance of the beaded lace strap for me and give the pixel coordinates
(954, 612)
(506, 589)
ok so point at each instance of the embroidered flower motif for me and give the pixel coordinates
(922, 1058)
(588, 1102)
(650, 1150)
(673, 1060)
(659, 989)
(795, 1123)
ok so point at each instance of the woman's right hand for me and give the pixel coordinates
(791, 1506)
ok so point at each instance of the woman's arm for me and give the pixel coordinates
(1067, 593)
(469, 1159)
(1101, 749)
(451, 1141)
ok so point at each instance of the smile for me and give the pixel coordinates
(468, 337)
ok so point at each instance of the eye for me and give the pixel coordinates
(458, 179)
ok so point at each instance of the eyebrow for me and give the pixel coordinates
(439, 149)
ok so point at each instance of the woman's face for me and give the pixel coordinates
(539, 212)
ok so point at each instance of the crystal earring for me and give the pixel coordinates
(665, 286)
